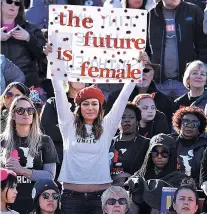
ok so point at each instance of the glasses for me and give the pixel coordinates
(164, 154)
(147, 70)
(47, 195)
(21, 110)
(190, 123)
(11, 95)
(112, 201)
(16, 3)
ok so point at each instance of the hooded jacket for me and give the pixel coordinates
(191, 40)
(146, 186)
(162, 102)
(190, 157)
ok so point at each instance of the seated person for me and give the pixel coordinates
(113, 199)
(127, 146)
(189, 124)
(160, 163)
(8, 190)
(46, 197)
(185, 199)
(153, 121)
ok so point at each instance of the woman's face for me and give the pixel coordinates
(48, 201)
(77, 85)
(90, 110)
(190, 126)
(135, 4)
(198, 78)
(148, 109)
(118, 207)
(10, 10)
(185, 202)
(160, 157)
(10, 95)
(23, 113)
(129, 121)
(10, 196)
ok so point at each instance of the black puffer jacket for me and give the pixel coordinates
(25, 54)
(191, 41)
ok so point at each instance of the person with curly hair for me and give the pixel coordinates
(190, 123)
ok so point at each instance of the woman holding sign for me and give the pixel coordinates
(87, 136)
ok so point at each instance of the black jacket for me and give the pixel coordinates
(25, 54)
(157, 126)
(192, 156)
(200, 102)
(191, 41)
(50, 126)
(162, 102)
(203, 172)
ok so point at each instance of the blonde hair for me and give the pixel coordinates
(35, 134)
(114, 190)
(195, 64)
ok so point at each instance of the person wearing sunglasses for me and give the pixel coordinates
(12, 91)
(46, 197)
(26, 151)
(189, 124)
(21, 41)
(147, 86)
(195, 80)
(115, 200)
(159, 169)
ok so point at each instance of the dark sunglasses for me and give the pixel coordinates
(11, 95)
(164, 154)
(190, 123)
(112, 201)
(21, 110)
(16, 3)
(147, 70)
(47, 195)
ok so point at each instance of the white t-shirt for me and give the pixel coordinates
(86, 161)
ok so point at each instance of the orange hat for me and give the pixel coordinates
(88, 93)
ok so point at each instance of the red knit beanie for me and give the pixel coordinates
(88, 93)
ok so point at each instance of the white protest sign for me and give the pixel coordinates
(92, 44)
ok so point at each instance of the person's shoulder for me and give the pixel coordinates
(190, 6)
(45, 139)
(181, 98)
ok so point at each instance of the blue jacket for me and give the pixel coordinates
(2, 64)
(38, 13)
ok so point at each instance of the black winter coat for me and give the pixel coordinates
(25, 54)
(157, 126)
(190, 159)
(191, 41)
(162, 102)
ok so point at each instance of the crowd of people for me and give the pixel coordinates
(77, 148)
